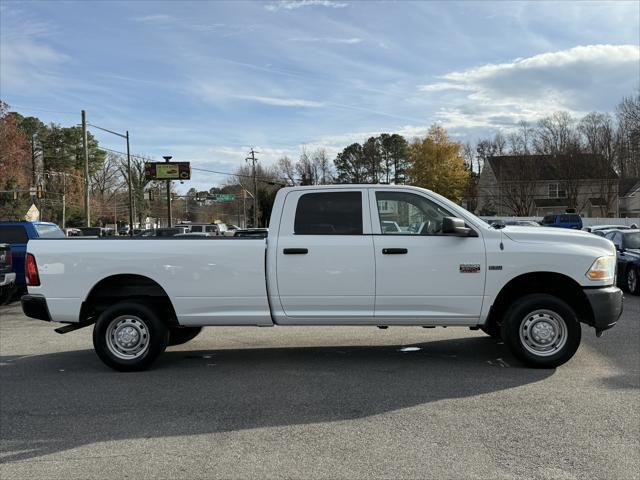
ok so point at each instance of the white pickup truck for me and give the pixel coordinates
(335, 255)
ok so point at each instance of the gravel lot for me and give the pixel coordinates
(319, 403)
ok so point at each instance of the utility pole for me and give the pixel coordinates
(130, 193)
(255, 187)
(64, 200)
(166, 159)
(85, 148)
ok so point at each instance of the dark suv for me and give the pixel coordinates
(563, 220)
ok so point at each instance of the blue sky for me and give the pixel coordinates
(206, 81)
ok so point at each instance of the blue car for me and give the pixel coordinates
(17, 234)
(563, 220)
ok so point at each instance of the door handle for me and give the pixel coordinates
(295, 251)
(394, 251)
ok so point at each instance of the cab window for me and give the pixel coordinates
(330, 213)
(402, 213)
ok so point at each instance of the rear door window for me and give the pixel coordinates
(196, 228)
(330, 213)
(13, 234)
(548, 220)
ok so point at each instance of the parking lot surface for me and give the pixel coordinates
(313, 402)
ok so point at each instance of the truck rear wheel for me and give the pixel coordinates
(129, 336)
(541, 330)
(180, 335)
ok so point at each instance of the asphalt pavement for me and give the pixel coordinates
(319, 402)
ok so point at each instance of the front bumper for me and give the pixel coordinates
(606, 304)
(7, 278)
(35, 307)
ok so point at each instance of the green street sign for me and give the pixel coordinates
(225, 197)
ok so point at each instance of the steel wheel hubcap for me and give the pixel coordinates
(127, 337)
(543, 332)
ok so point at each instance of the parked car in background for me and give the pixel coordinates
(627, 244)
(195, 234)
(162, 232)
(200, 227)
(73, 232)
(18, 234)
(563, 220)
(602, 230)
(252, 233)
(92, 231)
(231, 230)
(7, 275)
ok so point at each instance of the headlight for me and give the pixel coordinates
(604, 268)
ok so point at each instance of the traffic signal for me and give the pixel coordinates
(40, 191)
(152, 195)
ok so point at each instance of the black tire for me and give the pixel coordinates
(6, 294)
(493, 330)
(632, 280)
(555, 323)
(180, 335)
(144, 325)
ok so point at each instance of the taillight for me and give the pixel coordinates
(31, 271)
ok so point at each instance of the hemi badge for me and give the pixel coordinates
(469, 268)
(495, 267)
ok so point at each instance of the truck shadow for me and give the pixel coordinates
(65, 400)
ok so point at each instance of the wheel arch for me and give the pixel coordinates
(133, 287)
(552, 283)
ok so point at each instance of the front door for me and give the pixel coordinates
(325, 265)
(423, 276)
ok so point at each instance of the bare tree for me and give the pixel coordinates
(556, 134)
(599, 140)
(628, 136)
(287, 170)
(322, 166)
(518, 193)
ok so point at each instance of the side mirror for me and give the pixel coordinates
(455, 226)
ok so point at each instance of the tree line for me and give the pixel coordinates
(30, 149)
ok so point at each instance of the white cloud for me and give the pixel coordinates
(281, 102)
(580, 79)
(26, 59)
(347, 41)
(155, 19)
(295, 4)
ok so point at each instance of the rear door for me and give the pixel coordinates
(325, 267)
(423, 276)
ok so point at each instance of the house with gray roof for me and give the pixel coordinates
(536, 185)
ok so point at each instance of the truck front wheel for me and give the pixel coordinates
(541, 330)
(129, 336)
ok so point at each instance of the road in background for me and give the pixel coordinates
(319, 402)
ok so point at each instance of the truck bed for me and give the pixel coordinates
(210, 281)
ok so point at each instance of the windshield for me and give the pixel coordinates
(49, 231)
(632, 240)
